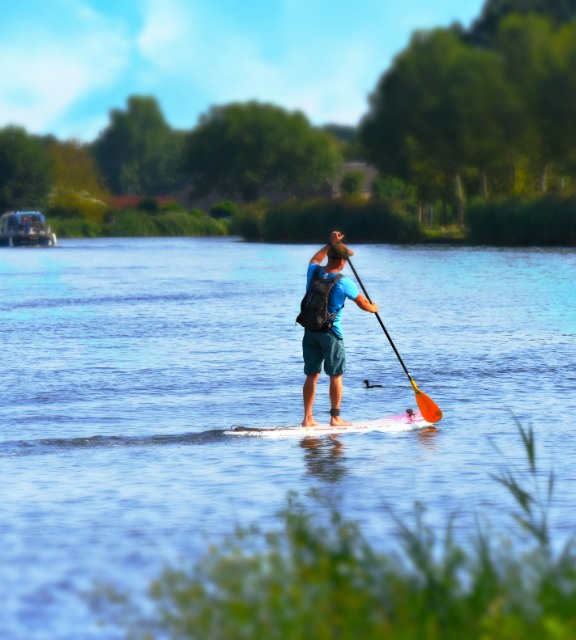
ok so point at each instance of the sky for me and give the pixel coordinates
(65, 64)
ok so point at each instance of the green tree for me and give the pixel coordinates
(443, 112)
(494, 12)
(537, 57)
(25, 170)
(138, 153)
(351, 183)
(78, 190)
(243, 150)
(559, 89)
(347, 138)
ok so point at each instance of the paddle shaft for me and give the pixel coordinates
(381, 323)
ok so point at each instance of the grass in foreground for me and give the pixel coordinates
(318, 578)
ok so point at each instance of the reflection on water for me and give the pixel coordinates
(428, 437)
(324, 458)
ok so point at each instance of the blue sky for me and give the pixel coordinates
(64, 64)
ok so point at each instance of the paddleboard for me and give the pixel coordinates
(392, 424)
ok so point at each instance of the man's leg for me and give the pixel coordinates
(336, 387)
(309, 392)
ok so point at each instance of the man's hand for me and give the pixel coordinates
(336, 237)
(365, 304)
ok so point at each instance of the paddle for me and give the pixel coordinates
(428, 408)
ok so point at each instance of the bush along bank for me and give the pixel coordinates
(295, 221)
(318, 577)
(549, 221)
(141, 223)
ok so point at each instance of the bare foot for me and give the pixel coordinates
(336, 421)
(309, 422)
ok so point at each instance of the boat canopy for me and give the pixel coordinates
(25, 216)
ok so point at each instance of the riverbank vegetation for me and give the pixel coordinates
(318, 577)
(475, 124)
(307, 221)
(146, 220)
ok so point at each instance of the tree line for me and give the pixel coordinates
(459, 119)
(463, 119)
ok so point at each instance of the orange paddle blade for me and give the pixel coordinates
(428, 408)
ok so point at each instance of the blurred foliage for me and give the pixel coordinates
(318, 577)
(134, 223)
(459, 120)
(396, 194)
(224, 209)
(248, 221)
(149, 205)
(549, 221)
(75, 227)
(139, 153)
(241, 150)
(137, 223)
(347, 140)
(463, 121)
(25, 170)
(77, 190)
(351, 183)
(182, 223)
(494, 12)
(310, 221)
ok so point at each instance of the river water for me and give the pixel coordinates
(123, 360)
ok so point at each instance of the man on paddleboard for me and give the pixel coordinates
(328, 346)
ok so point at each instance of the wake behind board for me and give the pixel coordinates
(393, 424)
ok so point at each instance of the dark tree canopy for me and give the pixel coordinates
(494, 11)
(442, 100)
(243, 150)
(347, 137)
(343, 132)
(25, 170)
(138, 153)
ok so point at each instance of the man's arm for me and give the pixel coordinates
(365, 304)
(320, 255)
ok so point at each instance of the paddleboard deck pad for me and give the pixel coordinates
(393, 424)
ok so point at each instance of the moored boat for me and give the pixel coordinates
(25, 229)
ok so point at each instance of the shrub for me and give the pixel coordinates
(148, 204)
(549, 221)
(224, 209)
(75, 228)
(249, 222)
(130, 224)
(171, 206)
(68, 203)
(181, 223)
(362, 221)
(385, 188)
(351, 183)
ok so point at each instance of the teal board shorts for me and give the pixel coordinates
(320, 346)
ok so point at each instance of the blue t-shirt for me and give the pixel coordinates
(344, 288)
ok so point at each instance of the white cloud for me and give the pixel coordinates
(222, 61)
(191, 55)
(165, 41)
(325, 86)
(38, 83)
